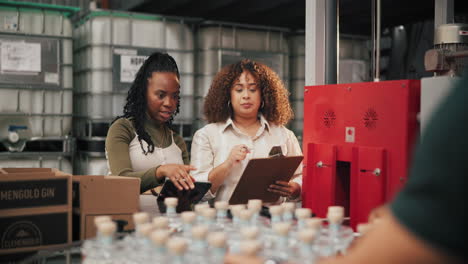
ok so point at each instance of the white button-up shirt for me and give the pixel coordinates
(212, 144)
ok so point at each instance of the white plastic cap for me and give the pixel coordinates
(276, 210)
(250, 248)
(313, 223)
(209, 213)
(188, 217)
(221, 205)
(245, 214)
(177, 245)
(307, 235)
(159, 237)
(288, 206)
(336, 209)
(107, 228)
(282, 228)
(160, 222)
(250, 232)
(255, 204)
(171, 201)
(199, 208)
(145, 229)
(102, 219)
(303, 213)
(363, 228)
(335, 217)
(13, 136)
(235, 209)
(199, 231)
(217, 239)
(141, 218)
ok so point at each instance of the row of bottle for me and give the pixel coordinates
(206, 235)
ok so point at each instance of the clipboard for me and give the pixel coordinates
(259, 174)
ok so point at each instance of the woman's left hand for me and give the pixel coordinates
(291, 190)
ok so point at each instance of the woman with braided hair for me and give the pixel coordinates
(140, 143)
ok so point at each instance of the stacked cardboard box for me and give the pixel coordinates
(93, 195)
(35, 209)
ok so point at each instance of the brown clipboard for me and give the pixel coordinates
(259, 174)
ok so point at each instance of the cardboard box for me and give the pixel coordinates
(93, 195)
(35, 210)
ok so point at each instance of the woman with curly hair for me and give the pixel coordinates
(247, 107)
(140, 143)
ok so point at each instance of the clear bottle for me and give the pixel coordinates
(139, 219)
(235, 211)
(159, 253)
(276, 212)
(302, 214)
(218, 243)
(103, 248)
(209, 217)
(222, 220)
(305, 251)
(288, 211)
(188, 221)
(88, 245)
(198, 210)
(198, 245)
(177, 251)
(255, 205)
(161, 223)
(281, 251)
(142, 247)
(171, 213)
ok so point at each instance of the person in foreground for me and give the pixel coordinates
(247, 107)
(140, 143)
(427, 222)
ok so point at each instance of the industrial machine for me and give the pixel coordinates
(357, 144)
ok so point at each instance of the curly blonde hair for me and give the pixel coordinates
(276, 108)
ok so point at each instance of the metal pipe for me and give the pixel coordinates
(376, 25)
(457, 54)
(331, 40)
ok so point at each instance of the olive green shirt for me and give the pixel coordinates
(119, 136)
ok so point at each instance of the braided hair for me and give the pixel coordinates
(136, 103)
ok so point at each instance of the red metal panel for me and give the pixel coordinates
(319, 186)
(368, 182)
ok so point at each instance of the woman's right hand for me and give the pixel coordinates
(178, 174)
(237, 154)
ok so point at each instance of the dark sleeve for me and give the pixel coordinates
(118, 139)
(433, 204)
(181, 144)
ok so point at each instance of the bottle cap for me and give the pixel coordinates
(171, 202)
(335, 217)
(177, 245)
(209, 213)
(199, 207)
(336, 209)
(188, 217)
(303, 213)
(221, 205)
(102, 219)
(107, 228)
(250, 248)
(276, 210)
(235, 209)
(307, 235)
(363, 228)
(245, 214)
(250, 232)
(140, 218)
(255, 205)
(217, 239)
(145, 229)
(282, 228)
(159, 237)
(313, 223)
(161, 222)
(199, 231)
(288, 206)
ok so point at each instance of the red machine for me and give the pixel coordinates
(357, 144)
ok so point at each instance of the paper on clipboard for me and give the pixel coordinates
(18, 56)
(261, 173)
